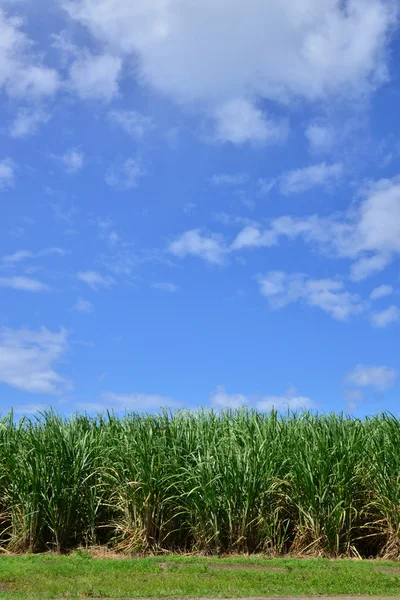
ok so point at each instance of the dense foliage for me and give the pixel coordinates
(237, 481)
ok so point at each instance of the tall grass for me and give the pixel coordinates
(237, 481)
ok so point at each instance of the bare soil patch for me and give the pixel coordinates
(244, 567)
(388, 570)
(228, 566)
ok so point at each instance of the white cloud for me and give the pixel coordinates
(312, 49)
(292, 400)
(25, 284)
(321, 138)
(95, 77)
(22, 73)
(381, 292)
(302, 180)
(27, 360)
(385, 317)
(51, 251)
(329, 295)
(376, 235)
(289, 401)
(133, 402)
(10, 260)
(125, 174)
(83, 306)
(133, 122)
(239, 121)
(72, 161)
(382, 202)
(379, 378)
(165, 286)
(252, 236)
(16, 257)
(312, 229)
(27, 122)
(63, 43)
(95, 280)
(209, 248)
(368, 233)
(225, 179)
(90, 76)
(7, 169)
(368, 265)
(221, 399)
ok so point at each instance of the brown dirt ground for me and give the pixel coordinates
(388, 570)
(230, 567)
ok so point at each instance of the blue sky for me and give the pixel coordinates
(200, 204)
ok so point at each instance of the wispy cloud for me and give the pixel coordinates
(226, 179)
(7, 174)
(222, 399)
(321, 137)
(22, 255)
(28, 121)
(367, 234)
(96, 280)
(17, 257)
(23, 74)
(72, 161)
(302, 180)
(265, 186)
(190, 208)
(24, 284)
(130, 402)
(125, 175)
(291, 400)
(83, 306)
(95, 76)
(107, 232)
(133, 122)
(165, 286)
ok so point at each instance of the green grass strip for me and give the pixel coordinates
(51, 576)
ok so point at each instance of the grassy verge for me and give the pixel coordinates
(51, 576)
